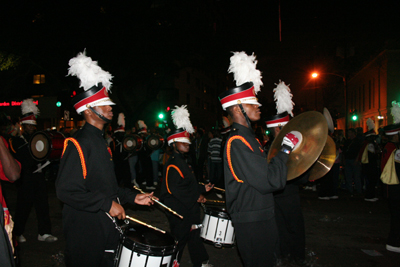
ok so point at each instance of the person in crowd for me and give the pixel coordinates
(133, 162)
(120, 156)
(352, 167)
(201, 145)
(181, 192)
(249, 180)
(86, 181)
(145, 174)
(10, 170)
(214, 151)
(369, 157)
(32, 187)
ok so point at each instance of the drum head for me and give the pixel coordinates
(132, 143)
(40, 146)
(148, 241)
(154, 141)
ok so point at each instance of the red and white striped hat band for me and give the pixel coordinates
(28, 119)
(225, 130)
(278, 122)
(243, 96)
(96, 96)
(392, 131)
(182, 137)
(119, 129)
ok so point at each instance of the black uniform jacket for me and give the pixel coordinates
(249, 179)
(180, 189)
(89, 194)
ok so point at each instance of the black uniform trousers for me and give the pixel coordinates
(393, 192)
(290, 221)
(371, 172)
(258, 242)
(181, 230)
(32, 191)
(100, 235)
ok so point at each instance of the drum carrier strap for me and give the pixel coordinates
(78, 147)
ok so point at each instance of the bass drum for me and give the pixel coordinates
(46, 145)
(154, 141)
(132, 143)
(144, 247)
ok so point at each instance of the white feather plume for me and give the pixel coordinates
(244, 70)
(395, 110)
(225, 122)
(121, 119)
(180, 117)
(88, 72)
(370, 124)
(141, 124)
(28, 106)
(283, 98)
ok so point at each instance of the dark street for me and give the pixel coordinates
(344, 232)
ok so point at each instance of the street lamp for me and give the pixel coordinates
(316, 74)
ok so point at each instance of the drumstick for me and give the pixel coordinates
(160, 203)
(216, 201)
(223, 190)
(145, 224)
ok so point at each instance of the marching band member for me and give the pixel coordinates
(369, 157)
(181, 192)
(288, 212)
(86, 181)
(249, 179)
(120, 156)
(10, 170)
(390, 166)
(32, 187)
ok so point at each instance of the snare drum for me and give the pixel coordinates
(154, 141)
(145, 247)
(46, 145)
(132, 143)
(218, 228)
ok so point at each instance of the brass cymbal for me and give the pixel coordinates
(325, 161)
(314, 129)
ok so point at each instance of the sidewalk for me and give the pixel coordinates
(344, 232)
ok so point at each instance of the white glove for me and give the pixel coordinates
(291, 140)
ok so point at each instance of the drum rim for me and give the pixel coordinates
(151, 250)
(218, 213)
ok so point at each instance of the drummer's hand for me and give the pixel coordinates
(208, 187)
(202, 199)
(145, 199)
(117, 211)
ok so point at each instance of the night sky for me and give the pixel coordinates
(134, 39)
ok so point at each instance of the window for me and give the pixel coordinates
(39, 79)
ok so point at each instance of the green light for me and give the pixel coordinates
(160, 125)
(161, 115)
(266, 132)
(354, 117)
(58, 104)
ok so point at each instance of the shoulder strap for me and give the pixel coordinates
(78, 147)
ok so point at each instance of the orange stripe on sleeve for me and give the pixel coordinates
(80, 152)
(166, 176)
(228, 153)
